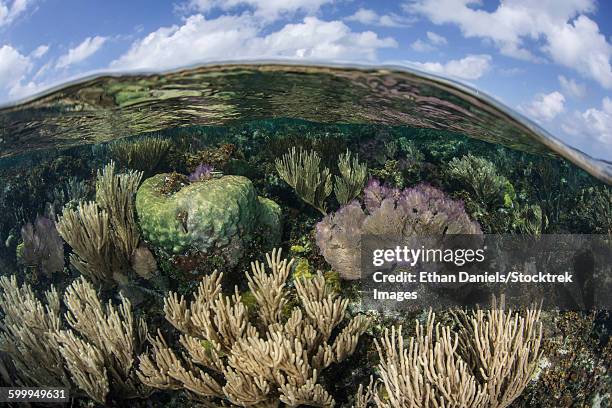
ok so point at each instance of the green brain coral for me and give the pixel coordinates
(217, 214)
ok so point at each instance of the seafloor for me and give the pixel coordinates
(479, 186)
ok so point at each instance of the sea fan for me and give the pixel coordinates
(421, 210)
(42, 246)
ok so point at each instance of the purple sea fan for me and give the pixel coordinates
(42, 246)
(338, 238)
(202, 172)
(419, 211)
(375, 192)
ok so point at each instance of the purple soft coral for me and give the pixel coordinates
(202, 172)
(422, 210)
(375, 192)
(42, 246)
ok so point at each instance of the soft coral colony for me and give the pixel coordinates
(281, 335)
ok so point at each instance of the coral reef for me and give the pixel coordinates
(288, 335)
(43, 248)
(352, 178)
(486, 364)
(94, 353)
(594, 210)
(217, 157)
(302, 171)
(103, 234)
(115, 194)
(202, 172)
(279, 358)
(480, 177)
(219, 214)
(144, 155)
(422, 210)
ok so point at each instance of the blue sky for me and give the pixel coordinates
(551, 60)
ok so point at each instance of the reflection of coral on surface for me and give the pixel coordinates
(421, 210)
(278, 358)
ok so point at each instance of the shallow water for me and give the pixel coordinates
(221, 131)
(105, 108)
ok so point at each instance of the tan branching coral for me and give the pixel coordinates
(115, 193)
(144, 154)
(364, 397)
(486, 364)
(88, 232)
(352, 178)
(312, 182)
(256, 364)
(95, 355)
(502, 349)
(26, 334)
(103, 234)
(110, 338)
(302, 170)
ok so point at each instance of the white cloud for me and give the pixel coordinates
(371, 17)
(566, 35)
(9, 11)
(240, 37)
(13, 67)
(581, 46)
(544, 107)
(571, 87)
(40, 51)
(594, 124)
(422, 46)
(21, 90)
(470, 67)
(81, 52)
(263, 9)
(433, 41)
(436, 39)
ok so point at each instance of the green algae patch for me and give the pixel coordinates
(220, 214)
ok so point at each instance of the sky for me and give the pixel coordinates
(550, 60)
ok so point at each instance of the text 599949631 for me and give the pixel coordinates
(31, 394)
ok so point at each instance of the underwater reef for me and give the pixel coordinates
(218, 214)
(421, 210)
(220, 266)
